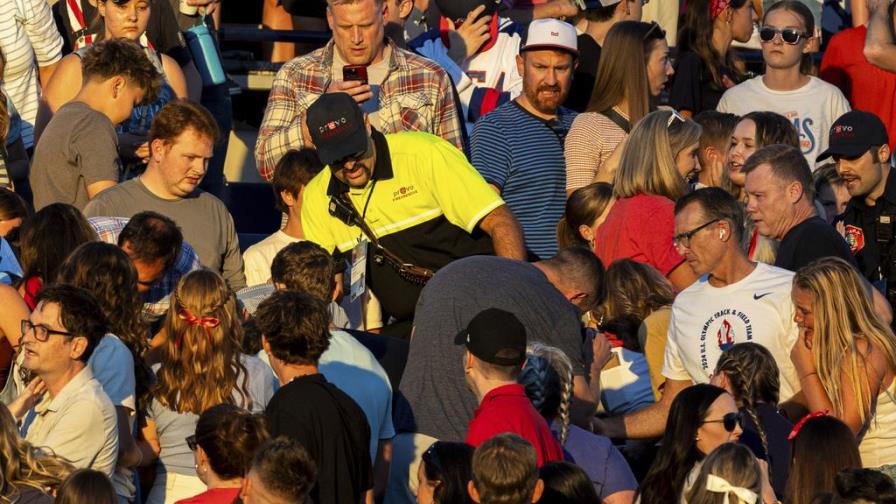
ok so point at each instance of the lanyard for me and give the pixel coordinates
(76, 18)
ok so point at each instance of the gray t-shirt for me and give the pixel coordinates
(173, 427)
(205, 222)
(78, 147)
(434, 398)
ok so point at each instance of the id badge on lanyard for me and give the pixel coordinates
(359, 269)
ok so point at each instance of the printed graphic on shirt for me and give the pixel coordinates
(724, 328)
(804, 128)
(855, 237)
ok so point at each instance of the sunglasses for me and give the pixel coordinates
(788, 35)
(192, 442)
(730, 421)
(674, 117)
(655, 31)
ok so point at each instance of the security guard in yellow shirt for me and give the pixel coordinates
(403, 205)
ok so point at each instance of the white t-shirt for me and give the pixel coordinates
(258, 258)
(812, 108)
(707, 320)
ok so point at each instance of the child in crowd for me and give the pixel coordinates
(822, 446)
(706, 66)
(715, 140)
(293, 172)
(730, 474)
(786, 87)
(749, 373)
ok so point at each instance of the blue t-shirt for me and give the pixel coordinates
(522, 155)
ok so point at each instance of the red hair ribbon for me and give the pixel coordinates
(717, 6)
(799, 425)
(207, 323)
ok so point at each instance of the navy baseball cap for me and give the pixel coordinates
(337, 127)
(853, 133)
(495, 336)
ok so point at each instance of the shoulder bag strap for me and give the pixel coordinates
(617, 118)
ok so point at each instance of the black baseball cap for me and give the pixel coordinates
(853, 133)
(495, 336)
(337, 127)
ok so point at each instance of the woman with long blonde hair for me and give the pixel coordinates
(846, 355)
(26, 473)
(657, 161)
(201, 366)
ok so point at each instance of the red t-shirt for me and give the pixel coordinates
(508, 409)
(213, 496)
(866, 86)
(639, 228)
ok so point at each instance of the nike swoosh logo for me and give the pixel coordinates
(757, 297)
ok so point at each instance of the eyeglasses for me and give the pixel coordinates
(672, 118)
(683, 240)
(655, 31)
(192, 442)
(41, 332)
(730, 421)
(789, 35)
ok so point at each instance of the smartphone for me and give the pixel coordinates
(355, 73)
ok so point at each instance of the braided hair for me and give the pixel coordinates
(547, 378)
(752, 376)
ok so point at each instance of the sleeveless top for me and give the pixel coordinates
(878, 446)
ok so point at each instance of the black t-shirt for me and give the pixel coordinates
(692, 86)
(162, 31)
(776, 428)
(810, 240)
(585, 74)
(334, 430)
(861, 228)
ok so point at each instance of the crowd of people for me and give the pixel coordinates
(531, 251)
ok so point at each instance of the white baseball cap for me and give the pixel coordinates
(551, 34)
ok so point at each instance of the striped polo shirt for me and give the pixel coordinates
(522, 155)
(27, 34)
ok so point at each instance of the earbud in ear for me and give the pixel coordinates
(721, 234)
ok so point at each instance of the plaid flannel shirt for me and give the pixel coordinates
(155, 301)
(417, 95)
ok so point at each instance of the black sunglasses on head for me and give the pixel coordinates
(191, 442)
(788, 35)
(730, 421)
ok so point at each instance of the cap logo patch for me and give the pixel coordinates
(842, 128)
(332, 125)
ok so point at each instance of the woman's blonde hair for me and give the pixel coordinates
(844, 314)
(735, 464)
(200, 362)
(648, 160)
(22, 465)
